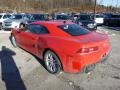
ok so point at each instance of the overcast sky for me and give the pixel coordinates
(109, 2)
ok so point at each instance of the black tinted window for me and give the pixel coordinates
(6, 16)
(115, 16)
(75, 15)
(62, 17)
(37, 29)
(16, 17)
(38, 17)
(74, 29)
(85, 17)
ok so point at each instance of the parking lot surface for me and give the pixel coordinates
(19, 70)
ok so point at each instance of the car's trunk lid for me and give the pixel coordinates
(92, 37)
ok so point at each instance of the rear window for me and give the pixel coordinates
(74, 29)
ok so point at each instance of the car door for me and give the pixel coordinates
(29, 39)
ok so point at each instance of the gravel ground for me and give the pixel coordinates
(22, 71)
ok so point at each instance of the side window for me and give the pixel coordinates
(37, 29)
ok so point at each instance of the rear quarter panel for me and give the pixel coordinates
(64, 47)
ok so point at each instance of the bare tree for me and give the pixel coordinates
(47, 5)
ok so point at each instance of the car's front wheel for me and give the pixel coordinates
(52, 62)
(13, 41)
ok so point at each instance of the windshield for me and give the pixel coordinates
(85, 17)
(16, 17)
(74, 29)
(38, 17)
(75, 15)
(99, 16)
(62, 17)
(115, 16)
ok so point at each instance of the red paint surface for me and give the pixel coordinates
(67, 47)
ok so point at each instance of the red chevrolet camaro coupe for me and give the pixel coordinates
(62, 45)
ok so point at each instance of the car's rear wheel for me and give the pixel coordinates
(13, 41)
(52, 62)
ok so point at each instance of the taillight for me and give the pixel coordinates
(87, 50)
(83, 50)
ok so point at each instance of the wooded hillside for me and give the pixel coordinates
(48, 5)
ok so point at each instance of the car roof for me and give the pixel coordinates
(20, 14)
(52, 27)
(62, 14)
(4, 13)
(37, 14)
(56, 23)
(86, 14)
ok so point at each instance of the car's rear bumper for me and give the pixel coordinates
(77, 63)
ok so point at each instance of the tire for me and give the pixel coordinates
(13, 41)
(107, 24)
(52, 62)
